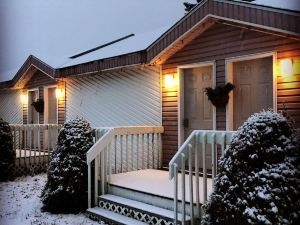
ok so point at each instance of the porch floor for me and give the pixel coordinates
(156, 182)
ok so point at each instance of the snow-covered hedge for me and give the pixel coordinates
(7, 153)
(66, 187)
(259, 175)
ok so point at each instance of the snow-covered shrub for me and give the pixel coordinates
(7, 153)
(66, 187)
(258, 181)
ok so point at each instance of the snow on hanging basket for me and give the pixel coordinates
(38, 105)
(219, 96)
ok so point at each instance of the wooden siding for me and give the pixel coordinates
(123, 97)
(217, 44)
(263, 18)
(39, 81)
(10, 106)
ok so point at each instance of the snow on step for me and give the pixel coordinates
(115, 217)
(141, 206)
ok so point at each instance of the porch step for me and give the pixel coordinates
(138, 210)
(111, 217)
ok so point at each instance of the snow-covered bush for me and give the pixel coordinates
(258, 181)
(7, 153)
(66, 187)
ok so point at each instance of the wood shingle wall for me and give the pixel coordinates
(218, 43)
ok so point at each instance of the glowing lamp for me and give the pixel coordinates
(24, 98)
(58, 93)
(286, 67)
(170, 80)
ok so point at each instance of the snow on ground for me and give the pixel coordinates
(20, 204)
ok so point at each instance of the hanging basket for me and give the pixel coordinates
(38, 105)
(219, 96)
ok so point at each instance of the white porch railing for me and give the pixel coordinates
(122, 149)
(33, 144)
(189, 157)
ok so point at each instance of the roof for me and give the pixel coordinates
(156, 46)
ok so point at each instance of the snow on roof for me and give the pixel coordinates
(134, 43)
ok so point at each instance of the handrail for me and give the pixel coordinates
(196, 146)
(110, 148)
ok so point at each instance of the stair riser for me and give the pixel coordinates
(158, 201)
(134, 213)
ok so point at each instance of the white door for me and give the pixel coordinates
(253, 80)
(198, 111)
(33, 115)
(50, 117)
(51, 106)
(32, 118)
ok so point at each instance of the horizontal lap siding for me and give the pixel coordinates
(216, 44)
(10, 106)
(123, 97)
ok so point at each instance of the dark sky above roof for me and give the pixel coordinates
(54, 30)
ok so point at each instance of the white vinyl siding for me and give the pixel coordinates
(124, 97)
(11, 106)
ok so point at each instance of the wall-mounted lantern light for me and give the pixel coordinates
(59, 93)
(286, 67)
(24, 98)
(170, 80)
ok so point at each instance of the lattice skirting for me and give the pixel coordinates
(135, 214)
(24, 167)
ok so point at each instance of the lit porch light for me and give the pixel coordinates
(59, 93)
(24, 98)
(286, 67)
(170, 81)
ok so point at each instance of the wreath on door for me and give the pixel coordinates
(219, 96)
(38, 105)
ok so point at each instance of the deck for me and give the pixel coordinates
(156, 182)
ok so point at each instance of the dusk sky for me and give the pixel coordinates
(56, 28)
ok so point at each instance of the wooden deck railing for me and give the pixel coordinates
(33, 144)
(192, 157)
(122, 149)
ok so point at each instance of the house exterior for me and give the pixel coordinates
(224, 41)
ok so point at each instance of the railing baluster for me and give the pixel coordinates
(204, 167)
(148, 150)
(127, 153)
(137, 151)
(89, 186)
(197, 174)
(213, 157)
(109, 162)
(142, 151)
(121, 153)
(175, 182)
(190, 152)
(183, 213)
(96, 177)
(132, 151)
(115, 148)
(153, 150)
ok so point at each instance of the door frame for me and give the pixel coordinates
(46, 104)
(229, 78)
(38, 94)
(181, 95)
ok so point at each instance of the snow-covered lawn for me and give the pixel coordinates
(20, 204)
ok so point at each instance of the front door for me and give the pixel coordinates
(198, 111)
(253, 80)
(50, 117)
(33, 116)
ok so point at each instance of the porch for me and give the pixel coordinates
(128, 186)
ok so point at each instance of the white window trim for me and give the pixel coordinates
(46, 104)
(38, 94)
(181, 95)
(229, 78)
